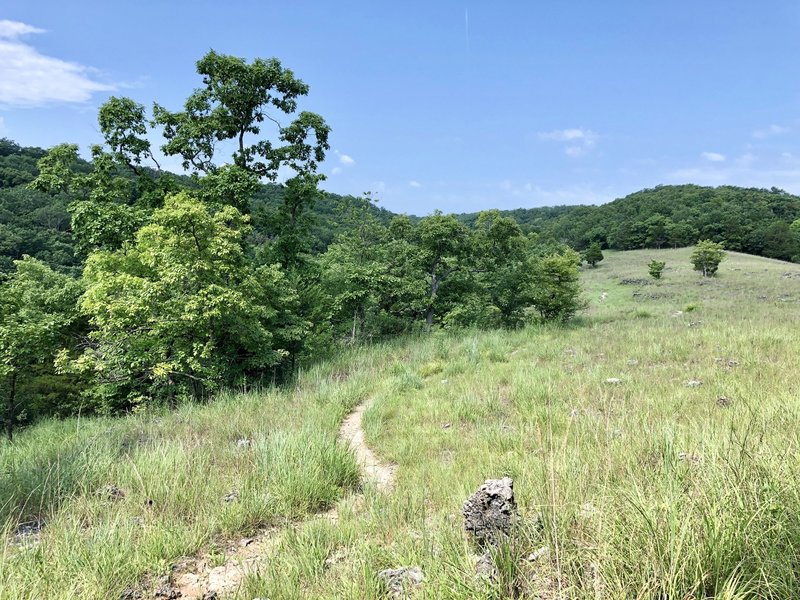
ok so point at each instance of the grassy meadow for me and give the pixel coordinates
(678, 481)
(648, 488)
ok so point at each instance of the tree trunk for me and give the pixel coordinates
(353, 333)
(10, 408)
(429, 311)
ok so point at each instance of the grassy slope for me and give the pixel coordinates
(643, 489)
(648, 488)
(184, 463)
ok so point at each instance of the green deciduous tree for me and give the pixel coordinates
(555, 286)
(234, 103)
(655, 268)
(179, 311)
(37, 307)
(593, 254)
(706, 257)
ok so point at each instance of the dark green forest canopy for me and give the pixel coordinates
(752, 220)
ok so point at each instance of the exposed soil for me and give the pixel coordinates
(198, 579)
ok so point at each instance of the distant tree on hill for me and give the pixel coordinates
(706, 257)
(593, 254)
(655, 268)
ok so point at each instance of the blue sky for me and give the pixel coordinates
(460, 106)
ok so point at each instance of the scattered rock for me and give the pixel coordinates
(677, 313)
(614, 380)
(724, 401)
(540, 553)
(491, 512)
(633, 281)
(445, 381)
(570, 351)
(401, 581)
(138, 521)
(485, 567)
(165, 591)
(693, 383)
(111, 493)
(28, 534)
(243, 443)
(231, 496)
(587, 511)
(603, 296)
(446, 425)
(633, 362)
(693, 324)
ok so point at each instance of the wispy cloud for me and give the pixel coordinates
(29, 78)
(578, 141)
(713, 156)
(414, 184)
(336, 170)
(772, 130)
(346, 160)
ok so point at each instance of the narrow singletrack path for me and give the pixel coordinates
(197, 579)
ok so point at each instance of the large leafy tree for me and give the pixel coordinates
(37, 308)
(180, 311)
(235, 102)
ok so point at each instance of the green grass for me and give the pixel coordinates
(175, 470)
(645, 489)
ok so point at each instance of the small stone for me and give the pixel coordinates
(614, 380)
(243, 443)
(111, 493)
(445, 381)
(231, 496)
(402, 580)
(724, 401)
(587, 511)
(633, 362)
(484, 566)
(540, 553)
(447, 425)
(694, 383)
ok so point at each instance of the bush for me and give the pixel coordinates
(593, 254)
(655, 268)
(706, 257)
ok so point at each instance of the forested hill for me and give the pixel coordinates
(756, 221)
(38, 224)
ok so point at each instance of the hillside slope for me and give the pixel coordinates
(650, 487)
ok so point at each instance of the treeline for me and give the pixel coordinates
(756, 221)
(126, 286)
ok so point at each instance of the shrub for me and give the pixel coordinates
(706, 257)
(655, 268)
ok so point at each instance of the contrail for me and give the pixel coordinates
(466, 25)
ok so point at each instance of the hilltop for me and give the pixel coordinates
(653, 446)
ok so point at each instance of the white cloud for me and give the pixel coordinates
(713, 156)
(336, 170)
(29, 78)
(770, 131)
(2, 125)
(578, 141)
(414, 184)
(10, 30)
(346, 160)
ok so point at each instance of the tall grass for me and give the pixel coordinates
(649, 488)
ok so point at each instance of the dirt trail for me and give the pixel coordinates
(198, 579)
